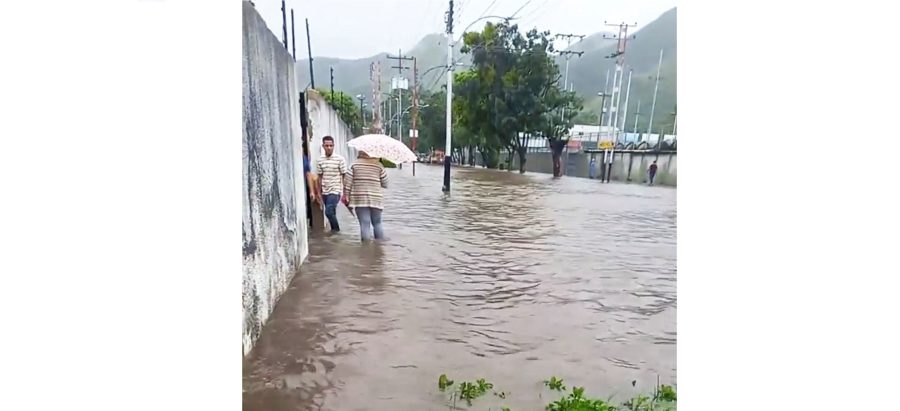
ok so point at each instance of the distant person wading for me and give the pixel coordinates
(652, 172)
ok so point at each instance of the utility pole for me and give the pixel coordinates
(293, 38)
(674, 122)
(331, 69)
(636, 116)
(568, 53)
(627, 94)
(415, 103)
(415, 112)
(362, 114)
(400, 84)
(618, 76)
(655, 91)
(312, 78)
(603, 97)
(284, 25)
(613, 119)
(377, 104)
(450, 65)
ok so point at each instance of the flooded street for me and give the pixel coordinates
(512, 278)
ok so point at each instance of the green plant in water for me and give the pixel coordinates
(641, 402)
(666, 393)
(576, 401)
(664, 397)
(444, 382)
(555, 384)
(470, 391)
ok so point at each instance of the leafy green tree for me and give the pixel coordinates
(432, 122)
(557, 120)
(346, 106)
(512, 91)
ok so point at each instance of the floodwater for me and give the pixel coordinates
(512, 278)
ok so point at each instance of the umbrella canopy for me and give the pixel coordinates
(382, 146)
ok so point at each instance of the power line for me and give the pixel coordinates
(486, 10)
(520, 8)
(400, 67)
(533, 13)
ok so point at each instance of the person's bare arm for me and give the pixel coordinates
(346, 175)
(348, 184)
(318, 182)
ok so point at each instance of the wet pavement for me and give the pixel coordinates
(512, 278)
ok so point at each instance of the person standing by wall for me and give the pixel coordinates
(332, 170)
(652, 172)
(312, 186)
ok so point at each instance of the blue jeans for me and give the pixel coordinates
(331, 203)
(369, 219)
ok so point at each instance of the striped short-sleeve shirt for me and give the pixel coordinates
(367, 181)
(332, 170)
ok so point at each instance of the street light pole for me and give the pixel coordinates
(655, 91)
(603, 96)
(450, 65)
(362, 114)
(602, 110)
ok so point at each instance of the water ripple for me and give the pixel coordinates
(512, 278)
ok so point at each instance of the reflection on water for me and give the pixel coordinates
(512, 278)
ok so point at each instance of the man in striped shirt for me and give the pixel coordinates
(332, 170)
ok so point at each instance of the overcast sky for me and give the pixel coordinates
(354, 29)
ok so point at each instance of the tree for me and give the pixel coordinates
(432, 121)
(557, 121)
(512, 91)
(472, 118)
(347, 108)
(586, 117)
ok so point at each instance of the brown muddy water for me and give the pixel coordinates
(512, 278)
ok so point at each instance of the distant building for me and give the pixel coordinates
(586, 132)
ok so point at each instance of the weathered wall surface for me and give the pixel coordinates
(325, 121)
(274, 211)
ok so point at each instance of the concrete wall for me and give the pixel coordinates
(274, 224)
(631, 167)
(325, 121)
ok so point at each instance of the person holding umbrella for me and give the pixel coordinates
(368, 179)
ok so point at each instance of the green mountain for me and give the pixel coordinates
(587, 73)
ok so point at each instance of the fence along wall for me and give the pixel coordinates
(325, 121)
(274, 226)
(627, 166)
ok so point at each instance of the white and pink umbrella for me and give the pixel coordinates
(384, 147)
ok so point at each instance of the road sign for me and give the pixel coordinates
(399, 83)
(414, 133)
(606, 145)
